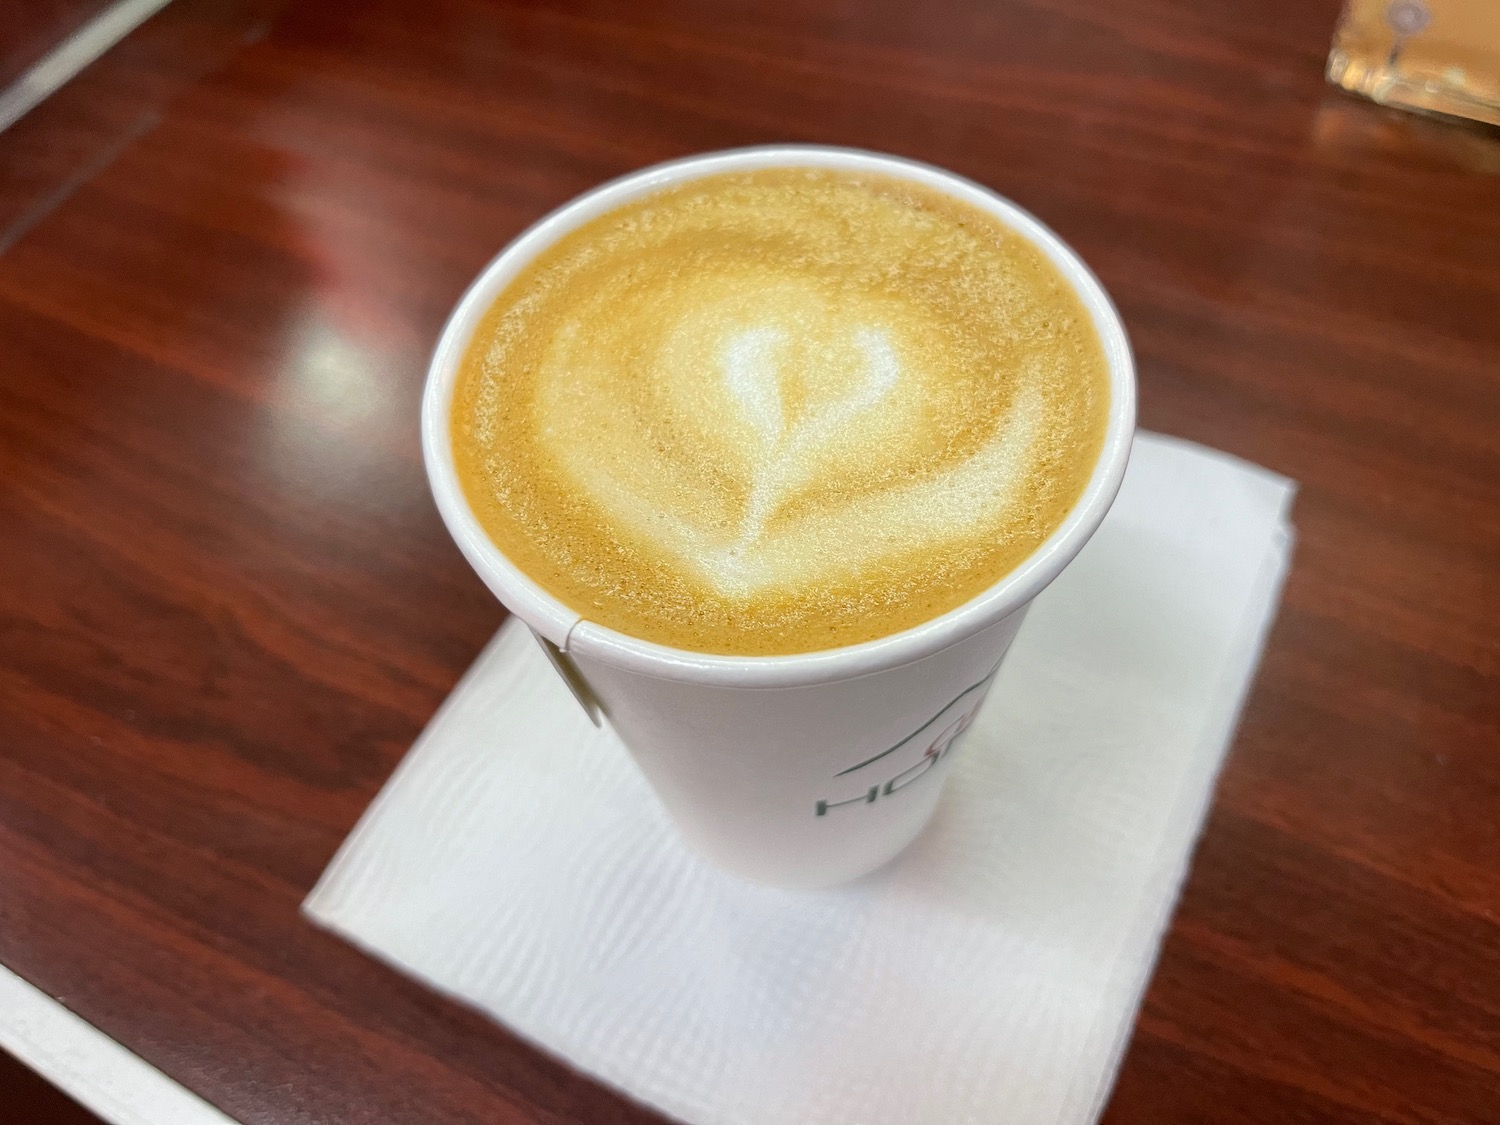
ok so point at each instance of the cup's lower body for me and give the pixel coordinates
(809, 786)
(868, 847)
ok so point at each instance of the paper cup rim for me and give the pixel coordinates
(567, 629)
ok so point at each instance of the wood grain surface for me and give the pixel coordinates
(227, 605)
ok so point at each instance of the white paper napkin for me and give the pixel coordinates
(991, 975)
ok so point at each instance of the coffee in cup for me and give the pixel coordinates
(772, 449)
(779, 410)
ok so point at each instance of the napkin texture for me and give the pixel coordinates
(518, 862)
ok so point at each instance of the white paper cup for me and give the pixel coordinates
(804, 770)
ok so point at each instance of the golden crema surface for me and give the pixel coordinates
(779, 411)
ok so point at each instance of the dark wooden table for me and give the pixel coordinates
(227, 605)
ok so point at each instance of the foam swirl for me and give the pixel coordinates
(781, 410)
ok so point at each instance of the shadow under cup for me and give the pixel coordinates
(810, 769)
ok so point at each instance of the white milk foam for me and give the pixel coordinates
(848, 428)
(723, 409)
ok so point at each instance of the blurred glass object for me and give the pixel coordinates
(1437, 55)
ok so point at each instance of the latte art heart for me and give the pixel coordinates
(749, 365)
(721, 419)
